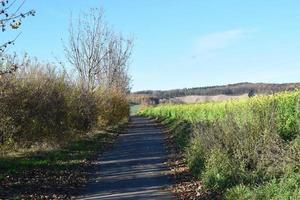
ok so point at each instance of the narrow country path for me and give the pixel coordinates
(135, 168)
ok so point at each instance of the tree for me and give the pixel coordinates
(99, 55)
(10, 16)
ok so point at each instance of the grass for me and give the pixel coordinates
(285, 105)
(53, 174)
(60, 173)
(240, 147)
(74, 153)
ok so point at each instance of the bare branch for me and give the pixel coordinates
(98, 54)
(14, 19)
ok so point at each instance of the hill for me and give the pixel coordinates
(230, 89)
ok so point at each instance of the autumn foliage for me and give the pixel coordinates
(39, 104)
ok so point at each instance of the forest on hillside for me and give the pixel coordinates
(230, 89)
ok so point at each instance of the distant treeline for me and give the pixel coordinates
(231, 89)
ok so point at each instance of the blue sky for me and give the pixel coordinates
(183, 43)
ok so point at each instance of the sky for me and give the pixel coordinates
(181, 43)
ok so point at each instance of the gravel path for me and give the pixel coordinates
(135, 168)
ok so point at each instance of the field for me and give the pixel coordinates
(242, 149)
(205, 98)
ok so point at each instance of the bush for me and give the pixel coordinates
(285, 188)
(195, 158)
(219, 171)
(33, 107)
(292, 157)
(113, 108)
(239, 192)
(41, 105)
(251, 144)
(83, 109)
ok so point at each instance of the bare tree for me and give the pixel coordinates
(116, 62)
(10, 16)
(99, 55)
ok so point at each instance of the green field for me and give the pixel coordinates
(244, 149)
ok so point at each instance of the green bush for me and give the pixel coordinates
(287, 115)
(292, 157)
(239, 192)
(195, 158)
(251, 144)
(219, 172)
(285, 188)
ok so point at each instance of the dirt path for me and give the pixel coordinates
(135, 168)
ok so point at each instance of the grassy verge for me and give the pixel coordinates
(176, 164)
(185, 184)
(55, 174)
(246, 149)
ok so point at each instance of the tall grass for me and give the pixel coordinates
(242, 146)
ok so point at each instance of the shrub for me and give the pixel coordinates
(287, 115)
(292, 157)
(195, 157)
(113, 108)
(33, 107)
(41, 105)
(239, 192)
(285, 188)
(181, 132)
(83, 109)
(219, 171)
(251, 145)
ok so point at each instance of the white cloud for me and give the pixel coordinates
(220, 40)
